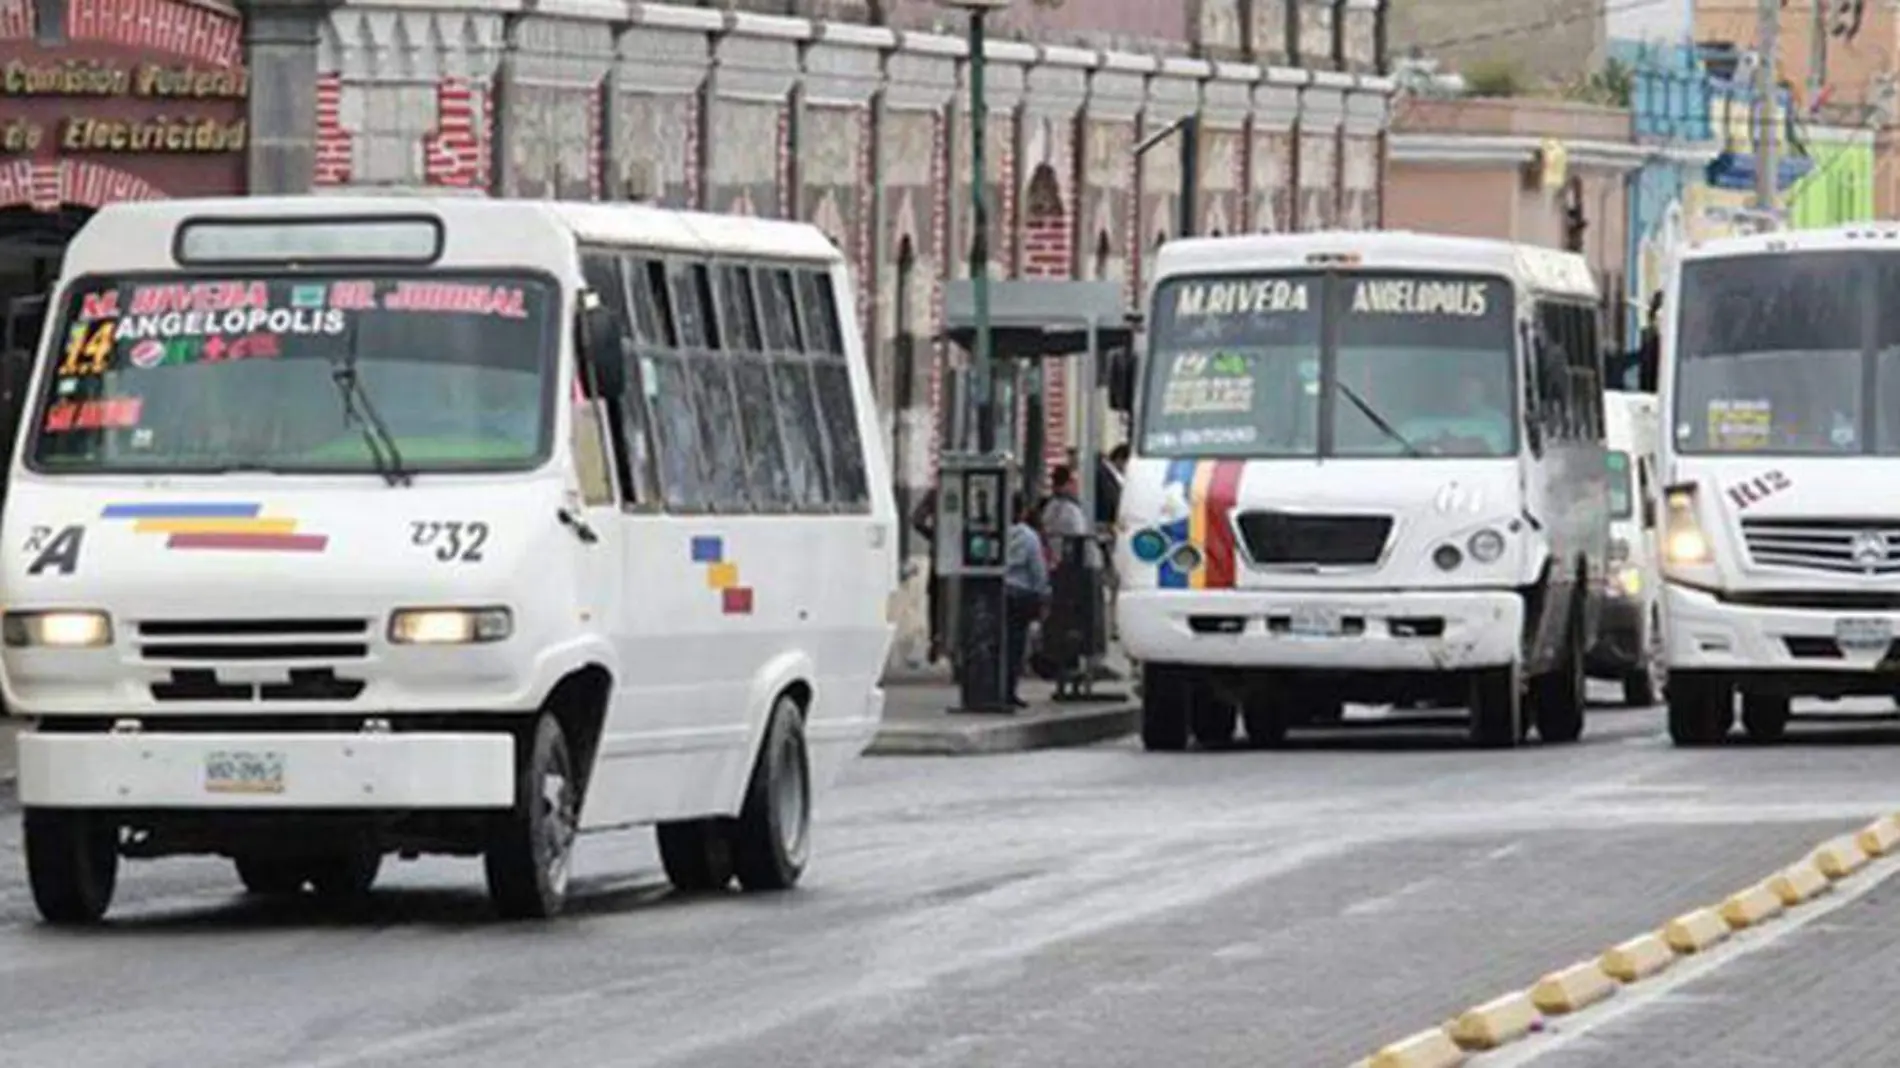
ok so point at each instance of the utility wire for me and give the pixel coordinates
(1612, 7)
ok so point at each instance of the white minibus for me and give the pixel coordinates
(1629, 646)
(1780, 386)
(1369, 467)
(348, 526)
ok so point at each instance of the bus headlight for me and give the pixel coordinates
(1683, 540)
(57, 630)
(1629, 580)
(1486, 546)
(449, 626)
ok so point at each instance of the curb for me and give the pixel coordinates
(1515, 1015)
(1006, 734)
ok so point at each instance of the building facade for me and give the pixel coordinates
(1543, 172)
(847, 113)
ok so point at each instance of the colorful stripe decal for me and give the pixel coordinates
(234, 525)
(1210, 488)
(181, 510)
(1223, 489)
(1180, 473)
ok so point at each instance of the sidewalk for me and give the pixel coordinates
(918, 720)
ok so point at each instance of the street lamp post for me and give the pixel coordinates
(979, 555)
(983, 371)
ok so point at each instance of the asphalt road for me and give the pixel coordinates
(1099, 907)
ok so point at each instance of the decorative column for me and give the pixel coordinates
(1226, 114)
(1110, 181)
(652, 148)
(548, 122)
(747, 124)
(281, 38)
(1271, 171)
(1174, 92)
(1361, 163)
(1322, 113)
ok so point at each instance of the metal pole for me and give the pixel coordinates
(1767, 168)
(983, 373)
(1817, 53)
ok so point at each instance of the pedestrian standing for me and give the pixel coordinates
(1026, 583)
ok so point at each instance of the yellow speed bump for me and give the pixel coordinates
(1427, 1049)
(1638, 958)
(1496, 1022)
(1839, 858)
(1573, 988)
(1879, 837)
(1798, 882)
(1757, 904)
(1696, 931)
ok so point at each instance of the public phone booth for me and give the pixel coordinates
(1032, 322)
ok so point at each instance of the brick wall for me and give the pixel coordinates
(456, 152)
(334, 149)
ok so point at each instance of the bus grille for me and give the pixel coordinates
(1841, 546)
(1278, 539)
(211, 641)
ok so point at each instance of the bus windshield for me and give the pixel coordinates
(219, 373)
(1774, 353)
(1363, 364)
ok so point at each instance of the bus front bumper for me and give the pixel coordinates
(1425, 630)
(1709, 634)
(232, 770)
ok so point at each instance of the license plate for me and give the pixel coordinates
(1854, 633)
(1314, 623)
(244, 771)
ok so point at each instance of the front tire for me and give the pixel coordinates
(1700, 712)
(1213, 722)
(344, 879)
(1765, 716)
(771, 841)
(1497, 707)
(530, 847)
(1643, 686)
(72, 862)
(1167, 694)
(1562, 695)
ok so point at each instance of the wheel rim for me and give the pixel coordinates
(558, 821)
(791, 799)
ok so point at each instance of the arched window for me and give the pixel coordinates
(1104, 251)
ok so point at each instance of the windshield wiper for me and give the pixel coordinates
(1376, 419)
(375, 432)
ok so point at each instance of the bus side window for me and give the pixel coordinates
(669, 391)
(1553, 372)
(771, 480)
(831, 375)
(1532, 388)
(792, 387)
(722, 452)
(633, 448)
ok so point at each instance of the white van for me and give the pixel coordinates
(1369, 467)
(1780, 384)
(348, 526)
(1629, 645)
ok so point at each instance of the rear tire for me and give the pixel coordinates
(270, 876)
(531, 846)
(1213, 721)
(771, 841)
(1765, 716)
(697, 854)
(1166, 696)
(1700, 712)
(1563, 695)
(343, 879)
(1266, 721)
(72, 862)
(1497, 707)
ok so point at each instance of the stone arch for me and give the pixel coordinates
(1044, 202)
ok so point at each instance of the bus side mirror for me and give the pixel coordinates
(1646, 371)
(601, 353)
